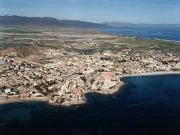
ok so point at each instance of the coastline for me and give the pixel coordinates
(88, 61)
(136, 36)
(66, 104)
(152, 74)
(19, 100)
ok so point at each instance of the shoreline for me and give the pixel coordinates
(46, 98)
(152, 74)
(75, 62)
(144, 38)
(7, 101)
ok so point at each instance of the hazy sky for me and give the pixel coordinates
(134, 11)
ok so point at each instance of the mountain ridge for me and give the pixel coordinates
(46, 21)
(50, 21)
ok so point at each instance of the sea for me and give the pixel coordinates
(165, 33)
(145, 105)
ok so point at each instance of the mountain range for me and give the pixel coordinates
(49, 21)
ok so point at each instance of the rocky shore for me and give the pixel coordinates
(68, 76)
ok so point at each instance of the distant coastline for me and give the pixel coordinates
(168, 32)
(158, 33)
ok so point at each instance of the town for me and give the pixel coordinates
(68, 76)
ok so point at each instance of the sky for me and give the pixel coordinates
(131, 11)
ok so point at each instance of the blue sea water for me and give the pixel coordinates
(167, 33)
(145, 105)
